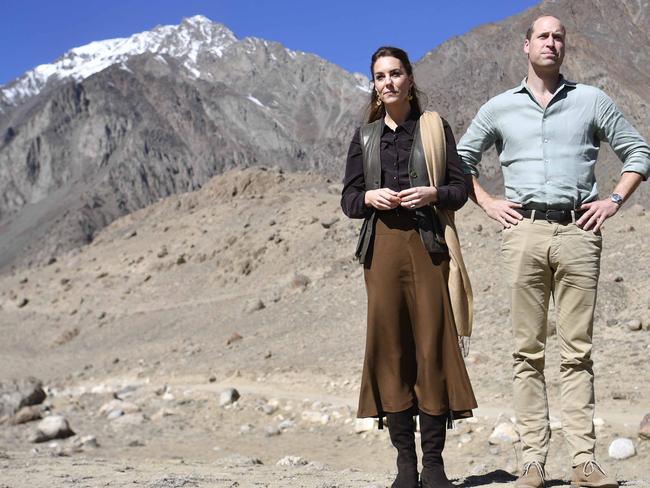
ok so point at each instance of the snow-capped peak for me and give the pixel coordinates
(184, 41)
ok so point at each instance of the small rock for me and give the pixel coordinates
(245, 429)
(364, 425)
(26, 414)
(478, 228)
(53, 427)
(234, 338)
(465, 439)
(131, 233)
(23, 302)
(254, 305)
(287, 424)
(129, 419)
(612, 322)
(291, 461)
(228, 397)
(89, 441)
(271, 407)
(238, 461)
(300, 281)
(118, 405)
(181, 259)
(618, 279)
(644, 427)
(633, 325)
(162, 413)
(21, 393)
(504, 433)
(621, 448)
(329, 223)
(315, 417)
(272, 431)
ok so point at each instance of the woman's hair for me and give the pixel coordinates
(374, 111)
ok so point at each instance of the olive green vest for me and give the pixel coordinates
(431, 231)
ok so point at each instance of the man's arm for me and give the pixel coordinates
(600, 210)
(503, 211)
(630, 148)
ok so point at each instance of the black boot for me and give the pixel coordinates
(401, 428)
(433, 429)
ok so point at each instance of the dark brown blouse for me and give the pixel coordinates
(395, 149)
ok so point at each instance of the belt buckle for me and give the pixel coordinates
(556, 216)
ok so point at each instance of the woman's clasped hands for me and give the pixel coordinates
(387, 199)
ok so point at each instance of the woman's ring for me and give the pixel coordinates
(413, 205)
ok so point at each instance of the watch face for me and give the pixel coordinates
(616, 198)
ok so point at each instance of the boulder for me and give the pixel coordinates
(52, 427)
(21, 393)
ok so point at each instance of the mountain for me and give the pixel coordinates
(607, 46)
(113, 126)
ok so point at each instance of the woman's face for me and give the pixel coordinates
(391, 81)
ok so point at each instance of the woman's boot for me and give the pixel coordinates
(433, 429)
(401, 428)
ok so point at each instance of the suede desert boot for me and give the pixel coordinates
(533, 476)
(401, 428)
(433, 431)
(591, 475)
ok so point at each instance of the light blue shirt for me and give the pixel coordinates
(548, 155)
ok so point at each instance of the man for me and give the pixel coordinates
(547, 132)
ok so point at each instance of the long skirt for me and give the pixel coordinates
(412, 359)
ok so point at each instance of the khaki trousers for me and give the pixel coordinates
(541, 260)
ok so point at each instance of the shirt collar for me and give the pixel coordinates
(408, 125)
(523, 86)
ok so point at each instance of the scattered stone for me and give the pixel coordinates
(465, 439)
(212, 379)
(246, 429)
(129, 419)
(268, 355)
(238, 461)
(23, 302)
(315, 417)
(163, 252)
(612, 322)
(101, 315)
(66, 336)
(52, 427)
(329, 223)
(271, 407)
(162, 413)
(621, 448)
(364, 425)
(234, 338)
(130, 234)
(118, 405)
(478, 228)
(291, 461)
(287, 424)
(102, 275)
(181, 259)
(644, 427)
(136, 443)
(630, 228)
(89, 441)
(228, 397)
(504, 433)
(272, 431)
(27, 414)
(115, 414)
(633, 325)
(618, 279)
(254, 305)
(300, 281)
(17, 394)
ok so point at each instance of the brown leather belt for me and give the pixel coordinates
(555, 216)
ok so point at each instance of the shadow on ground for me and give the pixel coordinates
(498, 476)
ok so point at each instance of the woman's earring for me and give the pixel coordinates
(378, 101)
(410, 97)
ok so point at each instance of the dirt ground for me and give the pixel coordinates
(250, 283)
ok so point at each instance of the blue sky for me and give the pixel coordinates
(343, 32)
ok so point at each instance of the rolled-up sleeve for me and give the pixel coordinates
(624, 139)
(453, 194)
(354, 188)
(480, 135)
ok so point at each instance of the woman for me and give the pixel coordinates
(413, 363)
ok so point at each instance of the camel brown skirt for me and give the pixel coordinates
(412, 358)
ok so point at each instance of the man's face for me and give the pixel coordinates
(545, 48)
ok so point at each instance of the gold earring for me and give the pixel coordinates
(378, 101)
(410, 97)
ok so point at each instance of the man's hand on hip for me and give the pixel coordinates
(596, 213)
(503, 211)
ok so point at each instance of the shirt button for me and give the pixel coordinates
(546, 161)
(545, 140)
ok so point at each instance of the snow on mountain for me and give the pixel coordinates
(184, 41)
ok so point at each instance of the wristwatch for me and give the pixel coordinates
(616, 198)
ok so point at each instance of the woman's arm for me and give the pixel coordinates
(354, 188)
(453, 194)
